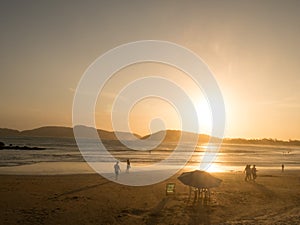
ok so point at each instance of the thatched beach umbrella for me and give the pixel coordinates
(199, 179)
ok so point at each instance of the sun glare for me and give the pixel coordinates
(214, 168)
(204, 115)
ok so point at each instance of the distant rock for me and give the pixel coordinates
(16, 147)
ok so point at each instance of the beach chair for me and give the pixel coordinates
(170, 188)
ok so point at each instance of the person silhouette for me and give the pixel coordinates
(117, 169)
(128, 166)
(253, 172)
(248, 173)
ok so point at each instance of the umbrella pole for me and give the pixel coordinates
(190, 193)
(196, 194)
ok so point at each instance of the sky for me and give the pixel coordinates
(251, 47)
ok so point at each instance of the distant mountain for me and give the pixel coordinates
(84, 131)
(5, 132)
(264, 141)
(57, 131)
(175, 135)
(49, 131)
(166, 136)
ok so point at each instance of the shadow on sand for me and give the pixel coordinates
(169, 210)
(78, 190)
(199, 214)
(267, 192)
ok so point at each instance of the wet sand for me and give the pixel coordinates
(90, 199)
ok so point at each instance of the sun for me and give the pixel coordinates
(204, 115)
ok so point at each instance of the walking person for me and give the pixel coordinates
(282, 168)
(253, 172)
(117, 169)
(248, 173)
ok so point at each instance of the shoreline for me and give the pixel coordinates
(73, 168)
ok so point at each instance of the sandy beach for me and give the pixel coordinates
(90, 199)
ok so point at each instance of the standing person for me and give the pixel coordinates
(253, 171)
(117, 169)
(128, 166)
(248, 173)
(245, 171)
(282, 168)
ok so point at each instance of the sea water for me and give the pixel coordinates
(229, 157)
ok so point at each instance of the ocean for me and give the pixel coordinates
(231, 157)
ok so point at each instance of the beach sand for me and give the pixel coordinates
(90, 199)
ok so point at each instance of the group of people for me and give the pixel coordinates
(250, 173)
(118, 169)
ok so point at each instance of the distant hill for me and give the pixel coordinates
(166, 136)
(264, 141)
(66, 132)
(51, 131)
(58, 131)
(5, 132)
(174, 136)
(103, 134)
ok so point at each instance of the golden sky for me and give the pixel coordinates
(252, 48)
